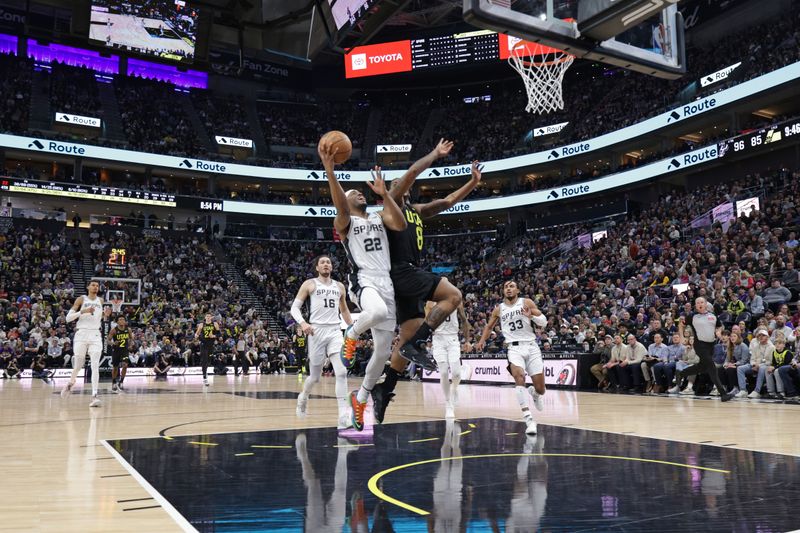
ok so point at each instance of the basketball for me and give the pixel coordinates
(341, 142)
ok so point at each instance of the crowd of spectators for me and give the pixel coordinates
(222, 116)
(36, 290)
(74, 90)
(302, 124)
(15, 93)
(153, 118)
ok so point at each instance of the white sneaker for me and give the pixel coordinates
(345, 422)
(95, 401)
(114, 389)
(530, 428)
(675, 390)
(754, 395)
(741, 394)
(537, 399)
(205, 382)
(302, 404)
(449, 411)
(688, 390)
(67, 390)
(714, 392)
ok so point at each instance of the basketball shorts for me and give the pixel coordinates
(413, 287)
(88, 341)
(385, 289)
(446, 349)
(119, 356)
(326, 340)
(527, 356)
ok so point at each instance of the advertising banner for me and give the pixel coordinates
(77, 120)
(562, 372)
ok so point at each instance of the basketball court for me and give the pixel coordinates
(234, 457)
(177, 456)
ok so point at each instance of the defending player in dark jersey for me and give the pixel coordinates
(207, 332)
(414, 286)
(119, 343)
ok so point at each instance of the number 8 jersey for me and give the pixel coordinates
(515, 326)
(366, 246)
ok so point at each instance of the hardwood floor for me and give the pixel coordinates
(59, 476)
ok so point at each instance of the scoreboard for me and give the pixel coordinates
(117, 261)
(766, 136)
(432, 52)
(457, 49)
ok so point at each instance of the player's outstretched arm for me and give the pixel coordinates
(342, 221)
(435, 207)
(297, 307)
(487, 330)
(343, 309)
(401, 186)
(392, 217)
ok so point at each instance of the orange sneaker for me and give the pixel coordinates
(358, 411)
(347, 353)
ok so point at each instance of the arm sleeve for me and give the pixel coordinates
(73, 315)
(297, 312)
(539, 320)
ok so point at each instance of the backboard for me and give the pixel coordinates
(641, 35)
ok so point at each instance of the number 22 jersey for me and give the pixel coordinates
(366, 246)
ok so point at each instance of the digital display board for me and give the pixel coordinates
(347, 12)
(117, 260)
(164, 28)
(87, 192)
(434, 52)
(753, 140)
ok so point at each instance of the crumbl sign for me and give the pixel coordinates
(78, 120)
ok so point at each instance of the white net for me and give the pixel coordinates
(543, 80)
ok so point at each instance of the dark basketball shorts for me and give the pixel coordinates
(413, 287)
(118, 357)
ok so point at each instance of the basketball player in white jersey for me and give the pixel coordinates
(88, 311)
(364, 238)
(446, 350)
(517, 317)
(324, 334)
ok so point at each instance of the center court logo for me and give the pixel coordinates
(358, 61)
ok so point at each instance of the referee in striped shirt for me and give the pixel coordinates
(707, 329)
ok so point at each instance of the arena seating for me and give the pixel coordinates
(610, 100)
(74, 90)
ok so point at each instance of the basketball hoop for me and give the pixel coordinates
(543, 77)
(116, 306)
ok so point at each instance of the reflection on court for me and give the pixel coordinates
(476, 474)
